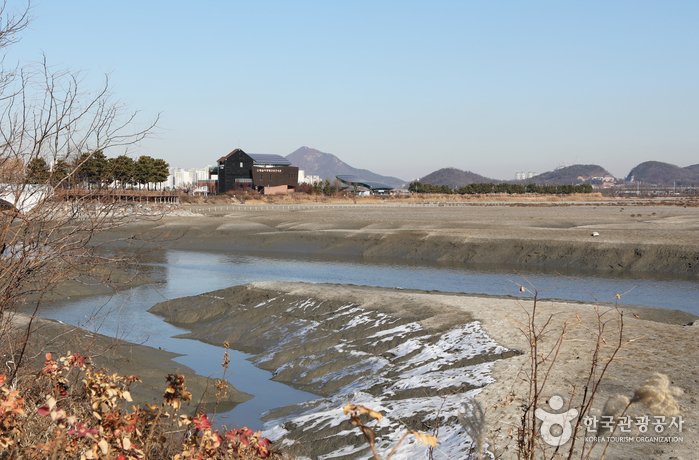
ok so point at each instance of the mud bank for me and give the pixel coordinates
(151, 365)
(416, 356)
(652, 239)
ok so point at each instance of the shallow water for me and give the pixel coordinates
(186, 273)
(681, 293)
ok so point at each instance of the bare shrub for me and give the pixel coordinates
(49, 230)
(578, 435)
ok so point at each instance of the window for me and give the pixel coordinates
(270, 177)
(241, 164)
(260, 176)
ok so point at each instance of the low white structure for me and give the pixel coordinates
(25, 198)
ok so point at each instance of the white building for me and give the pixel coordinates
(522, 175)
(181, 178)
(304, 179)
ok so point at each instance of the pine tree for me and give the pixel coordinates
(37, 171)
(145, 170)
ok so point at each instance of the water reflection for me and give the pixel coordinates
(662, 291)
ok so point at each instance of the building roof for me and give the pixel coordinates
(225, 157)
(260, 158)
(269, 159)
(371, 185)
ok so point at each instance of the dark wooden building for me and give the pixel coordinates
(268, 174)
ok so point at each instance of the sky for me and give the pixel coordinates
(402, 88)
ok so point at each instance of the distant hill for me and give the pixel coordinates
(454, 177)
(656, 172)
(327, 166)
(570, 175)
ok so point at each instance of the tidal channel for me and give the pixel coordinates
(187, 273)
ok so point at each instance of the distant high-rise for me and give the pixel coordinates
(524, 176)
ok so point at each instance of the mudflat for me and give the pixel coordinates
(417, 356)
(641, 236)
(404, 351)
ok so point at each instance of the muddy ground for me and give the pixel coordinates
(646, 237)
(416, 354)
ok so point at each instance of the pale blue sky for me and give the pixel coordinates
(399, 87)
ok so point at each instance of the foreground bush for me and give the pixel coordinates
(72, 411)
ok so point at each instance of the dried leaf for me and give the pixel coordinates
(348, 408)
(426, 439)
(372, 413)
(369, 433)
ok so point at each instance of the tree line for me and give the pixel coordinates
(95, 170)
(488, 187)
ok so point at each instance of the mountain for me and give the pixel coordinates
(454, 178)
(327, 166)
(656, 172)
(575, 174)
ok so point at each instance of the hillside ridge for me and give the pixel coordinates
(327, 166)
